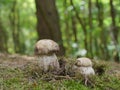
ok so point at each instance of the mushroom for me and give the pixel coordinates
(45, 50)
(83, 67)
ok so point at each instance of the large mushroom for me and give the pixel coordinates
(45, 50)
(83, 67)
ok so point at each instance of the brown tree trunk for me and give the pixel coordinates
(114, 30)
(74, 28)
(48, 22)
(3, 39)
(91, 28)
(14, 20)
(103, 44)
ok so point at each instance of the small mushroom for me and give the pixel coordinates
(83, 67)
(45, 50)
(83, 62)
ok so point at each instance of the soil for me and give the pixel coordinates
(16, 61)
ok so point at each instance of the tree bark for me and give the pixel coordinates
(48, 22)
(103, 44)
(3, 39)
(14, 20)
(91, 28)
(74, 28)
(114, 30)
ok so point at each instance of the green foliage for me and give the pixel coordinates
(28, 35)
(27, 24)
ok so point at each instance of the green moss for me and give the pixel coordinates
(20, 79)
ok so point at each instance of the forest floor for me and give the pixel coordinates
(17, 73)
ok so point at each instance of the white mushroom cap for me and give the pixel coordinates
(83, 62)
(46, 46)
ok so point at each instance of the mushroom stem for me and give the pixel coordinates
(86, 71)
(48, 62)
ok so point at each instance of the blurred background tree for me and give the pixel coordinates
(81, 27)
